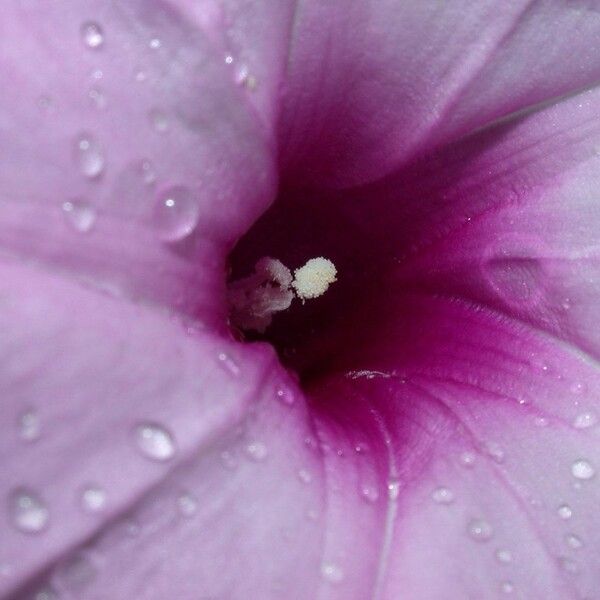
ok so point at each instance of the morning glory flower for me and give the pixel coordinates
(299, 299)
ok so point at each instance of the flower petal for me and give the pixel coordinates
(374, 85)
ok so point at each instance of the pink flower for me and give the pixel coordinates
(427, 429)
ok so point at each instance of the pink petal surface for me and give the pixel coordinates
(453, 419)
(374, 84)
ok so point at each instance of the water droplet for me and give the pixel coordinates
(332, 573)
(228, 364)
(228, 460)
(361, 448)
(568, 565)
(540, 422)
(573, 541)
(565, 512)
(393, 486)
(79, 215)
(304, 476)
(228, 59)
(75, 574)
(46, 594)
(495, 452)
(89, 156)
(503, 556)
(154, 441)
(92, 35)
(442, 495)
(480, 530)
(97, 97)
(577, 388)
(467, 459)
(176, 213)
(159, 120)
(285, 395)
(582, 469)
(369, 493)
(29, 426)
(28, 512)
(585, 420)
(257, 451)
(155, 43)
(187, 505)
(93, 498)
(507, 587)
(140, 75)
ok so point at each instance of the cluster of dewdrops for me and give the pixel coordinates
(254, 300)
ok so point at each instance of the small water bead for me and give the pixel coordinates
(285, 395)
(495, 452)
(92, 35)
(467, 459)
(568, 565)
(155, 442)
(187, 505)
(578, 388)
(89, 156)
(573, 541)
(393, 487)
(582, 469)
(228, 364)
(585, 420)
(540, 422)
(565, 511)
(442, 495)
(155, 44)
(176, 213)
(93, 499)
(304, 476)
(369, 493)
(257, 451)
(97, 97)
(75, 574)
(506, 587)
(480, 530)
(159, 120)
(503, 556)
(79, 215)
(361, 448)
(28, 512)
(332, 573)
(228, 460)
(29, 426)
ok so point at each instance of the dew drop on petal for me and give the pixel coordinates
(582, 469)
(573, 541)
(92, 35)
(467, 459)
(158, 120)
(176, 213)
(155, 43)
(442, 495)
(332, 573)
(93, 498)
(228, 364)
(285, 395)
(480, 530)
(577, 388)
(565, 512)
(89, 156)
(369, 493)
(495, 452)
(29, 426)
(154, 441)
(568, 565)
(506, 587)
(585, 420)
(257, 451)
(393, 486)
(503, 556)
(187, 505)
(304, 476)
(28, 512)
(97, 98)
(79, 215)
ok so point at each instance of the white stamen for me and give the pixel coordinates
(255, 299)
(313, 279)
